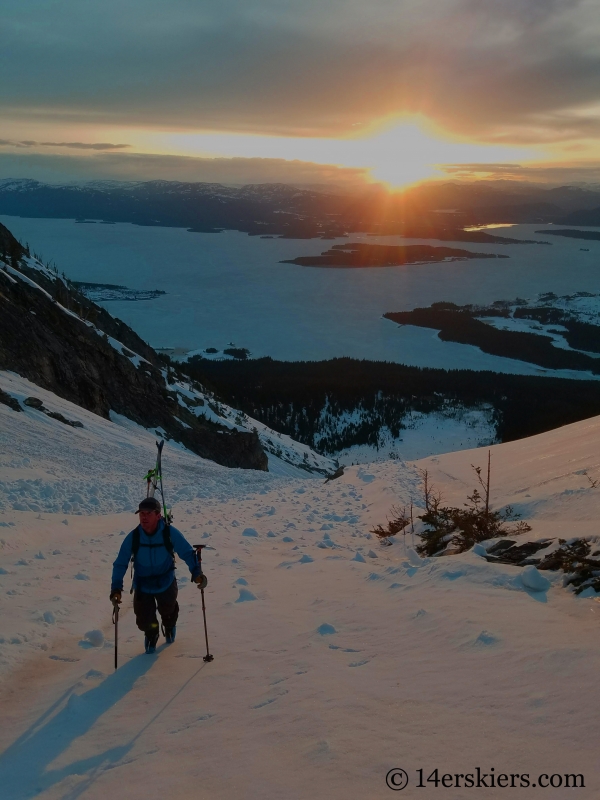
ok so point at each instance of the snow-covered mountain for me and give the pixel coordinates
(270, 208)
(277, 209)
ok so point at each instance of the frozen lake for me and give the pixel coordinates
(230, 287)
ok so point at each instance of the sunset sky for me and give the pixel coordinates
(247, 90)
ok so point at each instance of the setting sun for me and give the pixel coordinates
(398, 153)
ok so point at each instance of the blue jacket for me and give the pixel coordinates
(153, 568)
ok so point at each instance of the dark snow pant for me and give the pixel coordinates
(145, 605)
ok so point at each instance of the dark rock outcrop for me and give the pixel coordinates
(9, 400)
(581, 566)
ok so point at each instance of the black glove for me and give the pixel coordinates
(115, 597)
(201, 580)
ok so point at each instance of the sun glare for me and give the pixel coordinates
(400, 154)
(406, 153)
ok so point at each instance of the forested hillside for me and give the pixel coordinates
(330, 405)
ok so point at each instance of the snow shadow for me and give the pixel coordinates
(24, 765)
(539, 597)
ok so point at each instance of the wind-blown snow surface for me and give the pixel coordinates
(335, 659)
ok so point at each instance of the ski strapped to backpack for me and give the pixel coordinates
(153, 479)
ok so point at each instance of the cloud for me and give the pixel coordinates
(73, 145)
(85, 145)
(552, 174)
(482, 68)
(135, 166)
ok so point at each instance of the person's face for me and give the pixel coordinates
(149, 520)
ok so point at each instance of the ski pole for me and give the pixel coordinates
(115, 619)
(207, 657)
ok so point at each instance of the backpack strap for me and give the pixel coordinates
(167, 540)
(135, 546)
(135, 543)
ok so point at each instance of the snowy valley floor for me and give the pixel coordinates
(330, 668)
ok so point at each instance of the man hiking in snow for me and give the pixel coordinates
(150, 548)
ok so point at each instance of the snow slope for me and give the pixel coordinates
(98, 467)
(545, 477)
(426, 434)
(336, 660)
(286, 456)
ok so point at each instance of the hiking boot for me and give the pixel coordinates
(150, 641)
(170, 634)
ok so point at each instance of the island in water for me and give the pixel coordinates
(574, 234)
(357, 254)
(550, 331)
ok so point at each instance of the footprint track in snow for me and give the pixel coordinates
(202, 718)
(270, 700)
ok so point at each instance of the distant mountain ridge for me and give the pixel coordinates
(587, 217)
(439, 210)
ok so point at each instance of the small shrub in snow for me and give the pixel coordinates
(398, 523)
(458, 529)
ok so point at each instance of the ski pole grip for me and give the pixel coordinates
(198, 548)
